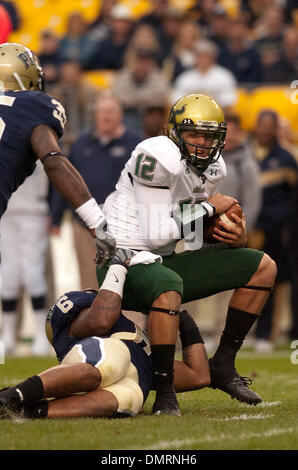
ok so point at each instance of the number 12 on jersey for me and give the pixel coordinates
(145, 166)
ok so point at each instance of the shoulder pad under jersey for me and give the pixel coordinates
(49, 111)
(217, 169)
(223, 168)
(155, 161)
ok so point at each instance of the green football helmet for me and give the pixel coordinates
(200, 113)
(19, 68)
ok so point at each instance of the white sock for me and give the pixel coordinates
(9, 322)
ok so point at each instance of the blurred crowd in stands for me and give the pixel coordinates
(156, 59)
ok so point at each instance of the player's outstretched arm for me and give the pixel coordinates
(70, 184)
(192, 373)
(60, 171)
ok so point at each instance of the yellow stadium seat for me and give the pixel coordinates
(231, 7)
(277, 98)
(242, 106)
(103, 79)
(38, 14)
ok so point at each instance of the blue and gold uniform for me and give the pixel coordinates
(20, 113)
(122, 356)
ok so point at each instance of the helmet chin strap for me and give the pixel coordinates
(21, 85)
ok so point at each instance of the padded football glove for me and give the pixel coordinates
(105, 245)
(123, 256)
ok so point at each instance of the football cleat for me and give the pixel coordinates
(236, 386)
(166, 402)
(9, 397)
(9, 408)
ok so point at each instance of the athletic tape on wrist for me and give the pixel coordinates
(209, 208)
(90, 213)
(115, 279)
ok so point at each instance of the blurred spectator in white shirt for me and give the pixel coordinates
(207, 77)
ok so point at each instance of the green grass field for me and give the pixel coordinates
(211, 420)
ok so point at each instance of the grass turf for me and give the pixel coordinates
(210, 421)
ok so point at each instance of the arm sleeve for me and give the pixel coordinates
(155, 216)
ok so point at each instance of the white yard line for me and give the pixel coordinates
(243, 417)
(266, 404)
(178, 443)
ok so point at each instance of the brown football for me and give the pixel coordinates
(210, 224)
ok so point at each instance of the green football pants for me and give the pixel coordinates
(194, 274)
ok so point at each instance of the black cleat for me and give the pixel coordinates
(235, 386)
(166, 402)
(9, 397)
(9, 409)
(4, 397)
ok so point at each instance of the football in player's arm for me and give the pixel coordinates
(108, 376)
(30, 124)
